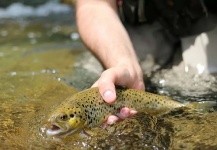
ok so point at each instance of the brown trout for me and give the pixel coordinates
(87, 109)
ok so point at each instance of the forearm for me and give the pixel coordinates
(103, 32)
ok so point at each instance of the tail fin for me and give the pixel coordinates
(202, 106)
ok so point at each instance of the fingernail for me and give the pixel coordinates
(107, 93)
(110, 122)
(124, 113)
(133, 112)
(112, 119)
(109, 96)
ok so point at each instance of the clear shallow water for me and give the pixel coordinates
(42, 64)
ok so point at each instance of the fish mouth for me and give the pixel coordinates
(54, 130)
(57, 131)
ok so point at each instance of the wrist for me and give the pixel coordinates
(130, 63)
(123, 58)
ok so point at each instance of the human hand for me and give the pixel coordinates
(123, 75)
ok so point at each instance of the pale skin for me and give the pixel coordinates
(103, 33)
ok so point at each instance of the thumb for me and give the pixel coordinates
(107, 90)
(106, 84)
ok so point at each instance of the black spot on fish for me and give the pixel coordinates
(63, 117)
(72, 115)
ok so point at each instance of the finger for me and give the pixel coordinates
(123, 77)
(108, 80)
(111, 120)
(133, 112)
(140, 85)
(138, 82)
(106, 84)
(106, 87)
(95, 84)
(124, 113)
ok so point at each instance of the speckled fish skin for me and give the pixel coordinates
(87, 108)
(97, 111)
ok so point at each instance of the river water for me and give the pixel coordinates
(43, 62)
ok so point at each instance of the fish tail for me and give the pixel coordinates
(204, 105)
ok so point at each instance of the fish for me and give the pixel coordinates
(87, 109)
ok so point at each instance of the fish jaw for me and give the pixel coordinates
(56, 131)
(54, 128)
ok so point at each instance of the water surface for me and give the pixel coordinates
(43, 62)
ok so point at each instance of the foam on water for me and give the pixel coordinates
(20, 10)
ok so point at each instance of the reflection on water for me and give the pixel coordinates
(38, 58)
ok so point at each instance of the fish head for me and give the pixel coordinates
(65, 121)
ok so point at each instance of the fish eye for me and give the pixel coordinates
(63, 117)
(72, 115)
